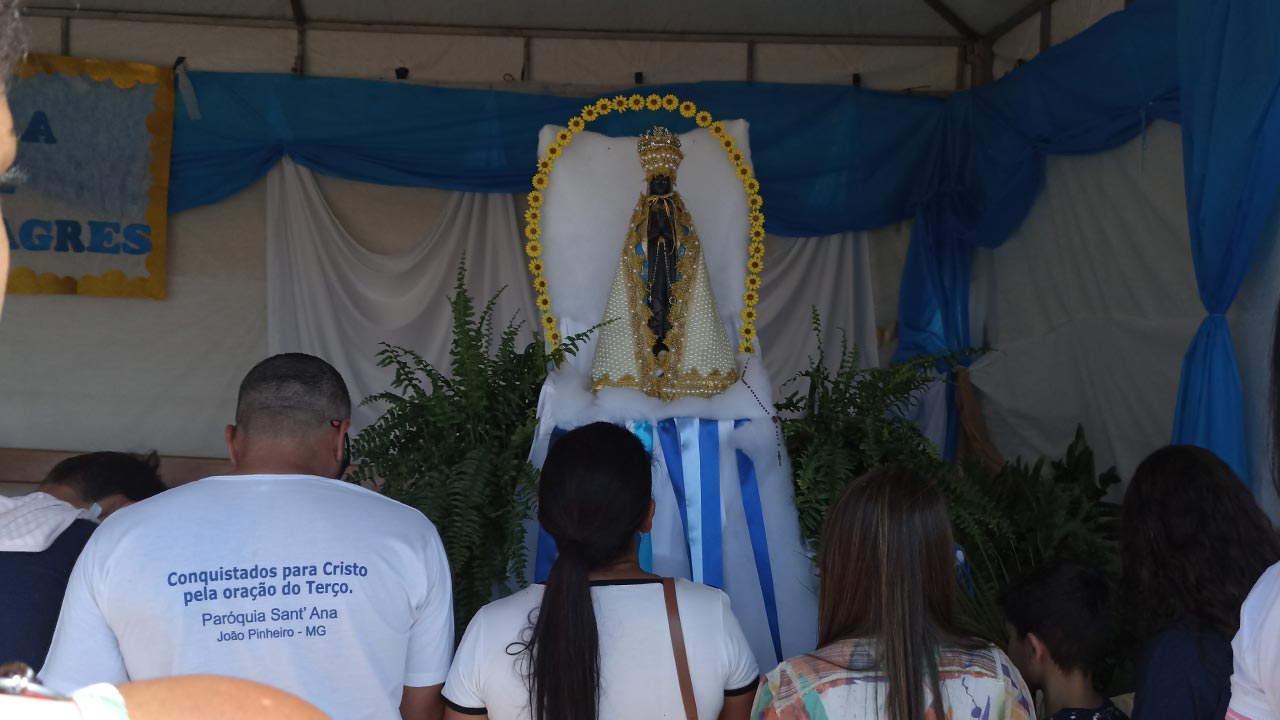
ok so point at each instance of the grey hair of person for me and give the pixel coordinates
(13, 37)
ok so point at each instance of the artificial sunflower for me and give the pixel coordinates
(754, 201)
(544, 303)
(603, 106)
(744, 172)
(726, 142)
(746, 348)
(636, 102)
(533, 249)
(540, 181)
(752, 186)
(737, 157)
(688, 109)
(757, 234)
(533, 231)
(548, 320)
(756, 249)
(753, 282)
(554, 151)
(717, 129)
(540, 284)
(553, 337)
(532, 215)
(576, 124)
(750, 298)
(748, 331)
(620, 103)
(670, 102)
(748, 315)
(589, 113)
(564, 137)
(545, 165)
(653, 102)
(703, 119)
(755, 265)
(536, 267)
(535, 198)
(756, 217)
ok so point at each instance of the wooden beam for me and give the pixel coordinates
(982, 59)
(470, 30)
(954, 20)
(299, 20)
(1026, 13)
(1046, 28)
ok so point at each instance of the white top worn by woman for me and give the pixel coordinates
(1255, 684)
(638, 677)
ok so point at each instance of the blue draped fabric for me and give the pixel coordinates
(834, 159)
(1230, 76)
(829, 158)
(1093, 93)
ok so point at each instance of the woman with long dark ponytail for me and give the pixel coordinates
(595, 641)
(1255, 679)
(887, 648)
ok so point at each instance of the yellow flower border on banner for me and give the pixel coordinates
(114, 283)
(654, 103)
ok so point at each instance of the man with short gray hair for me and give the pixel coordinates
(282, 573)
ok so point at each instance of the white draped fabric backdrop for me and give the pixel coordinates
(329, 296)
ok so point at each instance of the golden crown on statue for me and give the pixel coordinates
(660, 152)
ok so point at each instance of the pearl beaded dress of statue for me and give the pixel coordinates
(693, 358)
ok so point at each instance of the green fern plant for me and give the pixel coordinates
(848, 421)
(852, 419)
(455, 444)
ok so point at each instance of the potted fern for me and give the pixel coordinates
(455, 444)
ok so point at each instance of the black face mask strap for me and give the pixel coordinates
(346, 455)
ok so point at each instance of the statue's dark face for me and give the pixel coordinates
(660, 185)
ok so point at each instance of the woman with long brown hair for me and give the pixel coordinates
(887, 647)
(1193, 542)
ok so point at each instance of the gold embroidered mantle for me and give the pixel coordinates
(701, 361)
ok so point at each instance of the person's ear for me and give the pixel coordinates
(340, 441)
(646, 527)
(1038, 652)
(232, 451)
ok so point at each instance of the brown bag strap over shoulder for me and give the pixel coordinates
(677, 646)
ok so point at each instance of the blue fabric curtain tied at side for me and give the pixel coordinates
(1229, 68)
(1087, 95)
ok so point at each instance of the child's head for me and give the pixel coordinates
(1059, 622)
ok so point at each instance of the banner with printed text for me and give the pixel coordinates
(86, 208)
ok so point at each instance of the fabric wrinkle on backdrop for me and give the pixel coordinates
(328, 295)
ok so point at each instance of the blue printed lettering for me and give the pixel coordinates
(102, 237)
(323, 614)
(334, 589)
(39, 129)
(315, 630)
(137, 239)
(36, 235)
(291, 571)
(331, 568)
(279, 614)
(68, 236)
